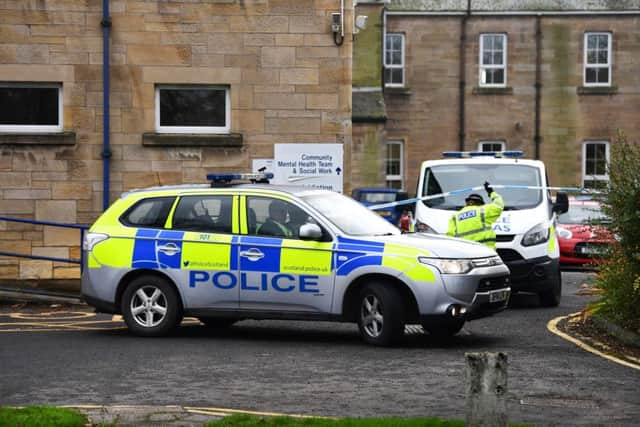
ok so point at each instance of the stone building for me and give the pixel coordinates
(231, 78)
(555, 79)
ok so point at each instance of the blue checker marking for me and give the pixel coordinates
(347, 244)
(359, 261)
(269, 246)
(234, 253)
(145, 253)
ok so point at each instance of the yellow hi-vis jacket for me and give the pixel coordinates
(474, 222)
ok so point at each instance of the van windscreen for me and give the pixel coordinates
(445, 178)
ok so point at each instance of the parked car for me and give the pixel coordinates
(582, 234)
(370, 196)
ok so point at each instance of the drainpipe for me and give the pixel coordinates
(537, 138)
(106, 150)
(463, 42)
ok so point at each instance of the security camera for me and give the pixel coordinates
(361, 22)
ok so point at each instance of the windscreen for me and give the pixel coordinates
(583, 214)
(445, 178)
(350, 216)
(377, 197)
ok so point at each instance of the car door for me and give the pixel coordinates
(282, 272)
(209, 251)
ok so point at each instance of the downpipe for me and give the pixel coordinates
(106, 147)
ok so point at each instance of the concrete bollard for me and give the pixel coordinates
(486, 389)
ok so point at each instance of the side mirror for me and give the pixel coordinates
(562, 203)
(310, 231)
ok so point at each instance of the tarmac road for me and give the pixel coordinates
(68, 356)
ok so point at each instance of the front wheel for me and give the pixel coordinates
(380, 314)
(551, 297)
(150, 306)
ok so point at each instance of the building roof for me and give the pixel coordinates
(514, 5)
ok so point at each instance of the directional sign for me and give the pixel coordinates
(309, 165)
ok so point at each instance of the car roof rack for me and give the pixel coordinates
(469, 154)
(226, 179)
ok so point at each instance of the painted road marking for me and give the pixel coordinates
(553, 327)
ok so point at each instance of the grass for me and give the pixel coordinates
(41, 416)
(254, 421)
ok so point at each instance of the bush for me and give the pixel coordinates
(619, 275)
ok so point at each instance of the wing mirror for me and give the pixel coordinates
(562, 203)
(310, 231)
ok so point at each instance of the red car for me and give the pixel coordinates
(582, 234)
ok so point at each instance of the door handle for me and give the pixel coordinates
(169, 249)
(252, 254)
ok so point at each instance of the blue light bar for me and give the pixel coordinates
(469, 154)
(225, 178)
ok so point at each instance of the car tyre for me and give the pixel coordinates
(380, 314)
(551, 297)
(151, 307)
(444, 328)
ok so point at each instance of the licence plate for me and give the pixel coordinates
(384, 213)
(496, 296)
(591, 250)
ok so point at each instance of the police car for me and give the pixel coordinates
(226, 252)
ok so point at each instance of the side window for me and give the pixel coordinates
(148, 213)
(210, 214)
(274, 217)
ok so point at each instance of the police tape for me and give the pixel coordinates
(480, 188)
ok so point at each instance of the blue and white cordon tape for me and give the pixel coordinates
(479, 188)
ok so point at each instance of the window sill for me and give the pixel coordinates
(479, 90)
(191, 140)
(395, 90)
(597, 90)
(61, 138)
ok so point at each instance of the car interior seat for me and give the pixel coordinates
(252, 221)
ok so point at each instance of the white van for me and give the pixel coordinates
(525, 232)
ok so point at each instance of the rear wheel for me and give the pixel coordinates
(150, 306)
(380, 314)
(443, 328)
(551, 297)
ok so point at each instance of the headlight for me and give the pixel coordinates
(564, 233)
(535, 236)
(448, 266)
(421, 227)
(487, 262)
(92, 239)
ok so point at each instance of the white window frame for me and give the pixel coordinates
(586, 177)
(482, 143)
(397, 177)
(400, 66)
(37, 128)
(483, 66)
(193, 129)
(585, 65)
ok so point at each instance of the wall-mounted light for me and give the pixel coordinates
(337, 25)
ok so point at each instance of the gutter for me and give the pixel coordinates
(462, 71)
(537, 138)
(515, 13)
(106, 149)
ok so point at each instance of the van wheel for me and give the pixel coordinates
(380, 314)
(217, 323)
(443, 328)
(551, 297)
(150, 306)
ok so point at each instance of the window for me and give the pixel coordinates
(597, 59)
(30, 107)
(275, 217)
(491, 146)
(595, 157)
(210, 214)
(192, 109)
(394, 60)
(393, 164)
(148, 213)
(493, 60)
